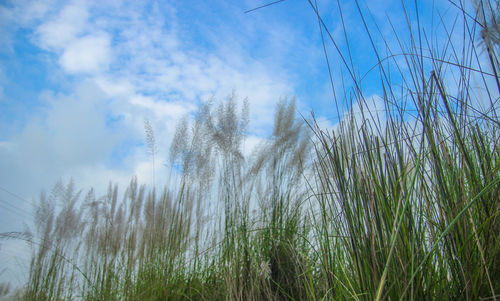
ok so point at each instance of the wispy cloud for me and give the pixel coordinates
(115, 64)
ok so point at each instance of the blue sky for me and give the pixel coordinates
(78, 79)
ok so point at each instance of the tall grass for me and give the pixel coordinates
(400, 207)
(411, 210)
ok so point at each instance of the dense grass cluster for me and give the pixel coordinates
(401, 207)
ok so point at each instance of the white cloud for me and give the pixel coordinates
(68, 134)
(114, 88)
(90, 53)
(325, 124)
(250, 144)
(20, 13)
(372, 107)
(162, 109)
(80, 44)
(56, 33)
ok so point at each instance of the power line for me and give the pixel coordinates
(14, 209)
(14, 194)
(262, 6)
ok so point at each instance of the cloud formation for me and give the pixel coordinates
(111, 72)
(112, 65)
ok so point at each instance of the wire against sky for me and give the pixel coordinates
(262, 6)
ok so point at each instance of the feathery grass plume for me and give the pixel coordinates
(277, 170)
(53, 270)
(151, 142)
(488, 18)
(26, 235)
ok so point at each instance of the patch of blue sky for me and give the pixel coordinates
(117, 160)
(114, 121)
(372, 38)
(26, 74)
(285, 32)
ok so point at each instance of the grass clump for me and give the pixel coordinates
(403, 205)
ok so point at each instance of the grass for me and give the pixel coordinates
(403, 207)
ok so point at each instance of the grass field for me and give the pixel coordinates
(404, 207)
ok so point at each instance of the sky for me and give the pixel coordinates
(79, 78)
